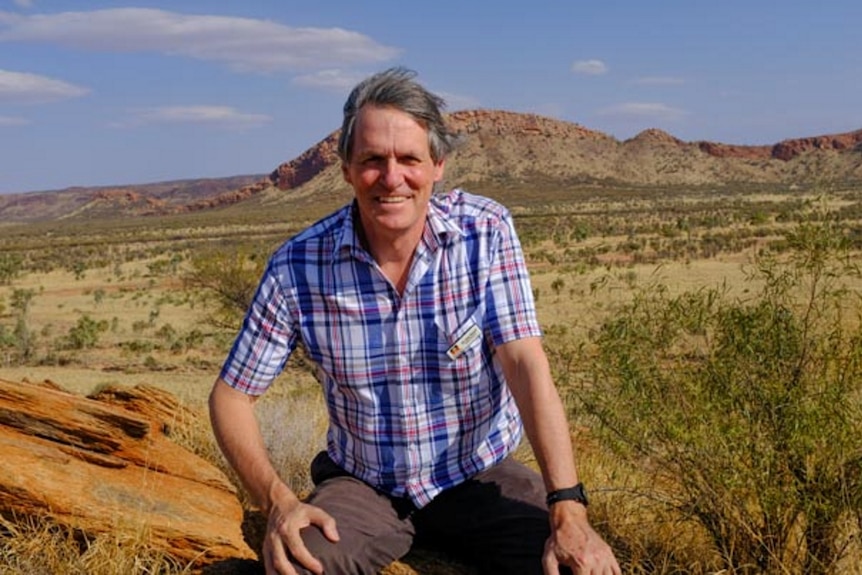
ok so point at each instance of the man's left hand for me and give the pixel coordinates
(575, 544)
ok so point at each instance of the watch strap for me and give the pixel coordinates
(576, 493)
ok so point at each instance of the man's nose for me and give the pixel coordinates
(392, 175)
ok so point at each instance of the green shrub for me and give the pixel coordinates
(744, 411)
(227, 280)
(11, 265)
(85, 334)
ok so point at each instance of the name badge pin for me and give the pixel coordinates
(463, 342)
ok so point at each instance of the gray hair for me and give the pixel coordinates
(396, 88)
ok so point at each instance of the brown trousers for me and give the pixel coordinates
(496, 521)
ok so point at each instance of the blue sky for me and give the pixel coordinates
(137, 91)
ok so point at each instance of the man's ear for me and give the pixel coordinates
(345, 173)
(439, 169)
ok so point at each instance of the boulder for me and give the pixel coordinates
(106, 464)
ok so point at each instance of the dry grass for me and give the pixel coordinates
(29, 546)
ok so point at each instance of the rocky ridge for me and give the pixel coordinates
(505, 146)
(500, 148)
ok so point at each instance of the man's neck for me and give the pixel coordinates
(392, 252)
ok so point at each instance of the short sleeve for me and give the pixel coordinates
(266, 339)
(511, 309)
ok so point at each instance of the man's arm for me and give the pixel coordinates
(238, 434)
(573, 541)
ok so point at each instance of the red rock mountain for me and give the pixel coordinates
(506, 146)
(519, 152)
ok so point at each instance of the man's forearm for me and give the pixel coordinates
(238, 434)
(545, 422)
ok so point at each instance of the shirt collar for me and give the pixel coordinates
(347, 240)
(440, 228)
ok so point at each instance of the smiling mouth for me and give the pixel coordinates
(391, 199)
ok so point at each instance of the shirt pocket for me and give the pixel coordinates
(462, 361)
(460, 339)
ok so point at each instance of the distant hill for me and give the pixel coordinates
(515, 152)
(121, 200)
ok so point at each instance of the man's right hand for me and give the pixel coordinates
(287, 517)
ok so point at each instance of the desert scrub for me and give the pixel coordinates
(293, 425)
(744, 412)
(85, 333)
(11, 266)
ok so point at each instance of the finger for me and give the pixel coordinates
(275, 559)
(327, 524)
(267, 560)
(550, 565)
(300, 552)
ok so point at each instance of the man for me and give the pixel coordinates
(418, 310)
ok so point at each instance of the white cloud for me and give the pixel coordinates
(590, 67)
(223, 116)
(659, 81)
(241, 43)
(20, 87)
(645, 110)
(10, 121)
(336, 80)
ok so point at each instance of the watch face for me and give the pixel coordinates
(583, 493)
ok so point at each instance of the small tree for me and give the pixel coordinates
(85, 334)
(21, 300)
(20, 342)
(11, 265)
(745, 411)
(228, 280)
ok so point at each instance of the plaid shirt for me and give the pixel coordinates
(416, 401)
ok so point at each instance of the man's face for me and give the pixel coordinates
(392, 173)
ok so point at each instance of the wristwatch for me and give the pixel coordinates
(576, 493)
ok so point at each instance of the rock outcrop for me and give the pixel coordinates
(307, 165)
(106, 464)
(789, 149)
(786, 150)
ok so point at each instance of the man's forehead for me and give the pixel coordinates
(386, 131)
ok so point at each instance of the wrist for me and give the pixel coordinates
(567, 514)
(278, 492)
(576, 493)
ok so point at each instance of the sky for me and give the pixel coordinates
(139, 91)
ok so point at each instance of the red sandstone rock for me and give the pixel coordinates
(789, 149)
(108, 466)
(310, 163)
